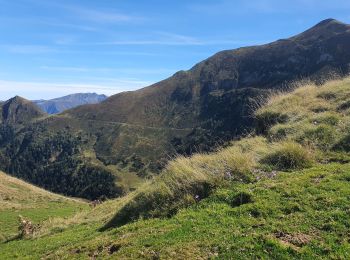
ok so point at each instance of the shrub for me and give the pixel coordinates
(289, 156)
(266, 119)
(327, 118)
(335, 156)
(327, 95)
(319, 109)
(343, 144)
(237, 166)
(26, 228)
(321, 136)
(241, 198)
(344, 106)
(158, 200)
(233, 197)
(279, 132)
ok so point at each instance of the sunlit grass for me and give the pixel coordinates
(280, 193)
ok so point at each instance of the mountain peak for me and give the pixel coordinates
(325, 29)
(327, 22)
(16, 99)
(19, 110)
(331, 25)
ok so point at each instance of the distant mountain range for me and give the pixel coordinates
(80, 151)
(58, 105)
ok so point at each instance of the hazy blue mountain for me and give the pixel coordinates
(58, 105)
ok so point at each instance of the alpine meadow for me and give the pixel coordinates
(245, 155)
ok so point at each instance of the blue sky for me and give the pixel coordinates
(57, 47)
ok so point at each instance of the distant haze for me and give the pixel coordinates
(58, 105)
(37, 91)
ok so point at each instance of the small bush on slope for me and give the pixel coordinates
(289, 156)
(321, 136)
(343, 144)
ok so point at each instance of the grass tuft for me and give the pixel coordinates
(289, 156)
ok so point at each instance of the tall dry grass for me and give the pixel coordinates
(288, 119)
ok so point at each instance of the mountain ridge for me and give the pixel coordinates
(280, 194)
(247, 82)
(58, 105)
(193, 110)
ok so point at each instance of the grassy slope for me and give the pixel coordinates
(301, 213)
(298, 214)
(19, 198)
(213, 97)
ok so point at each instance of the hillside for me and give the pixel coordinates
(58, 105)
(20, 198)
(230, 78)
(137, 132)
(18, 111)
(280, 193)
(51, 158)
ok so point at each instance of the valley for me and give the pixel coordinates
(192, 111)
(280, 193)
(244, 156)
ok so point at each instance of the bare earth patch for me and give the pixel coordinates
(295, 241)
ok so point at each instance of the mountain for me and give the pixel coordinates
(58, 105)
(140, 131)
(49, 157)
(216, 96)
(18, 110)
(282, 193)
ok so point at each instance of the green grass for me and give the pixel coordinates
(19, 198)
(300, 214)
(278, 194)
(313, 115)
(289, 156)
(9, 220)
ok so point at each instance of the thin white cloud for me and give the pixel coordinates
(47, 90)
(179, 43)
(68, 25)
(316, 5)
(62, 46)
(242, 7)
(108, 70)
(65, 39)
(102, 16)
(65, 42)
(146, 42)
(48, 21)
(66, 69)
(26, 49)
(127, 53)
(91, 14)
(163, 38)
